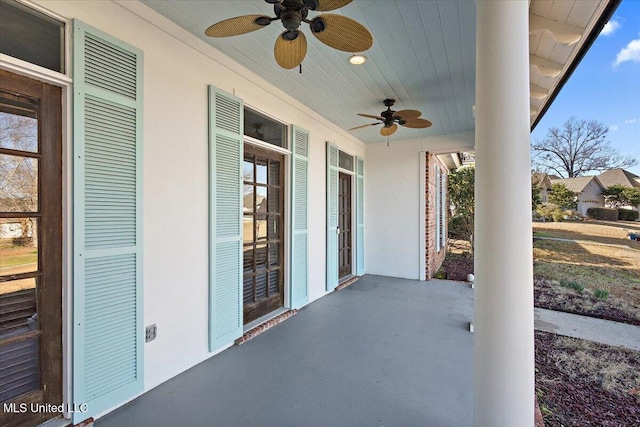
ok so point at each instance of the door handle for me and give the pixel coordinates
(338, 230)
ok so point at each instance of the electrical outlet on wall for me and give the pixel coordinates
(150, 333)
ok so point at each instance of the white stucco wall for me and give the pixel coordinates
(591, 197)
(392, 209)
(177, 69)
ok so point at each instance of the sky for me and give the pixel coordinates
(606, 85)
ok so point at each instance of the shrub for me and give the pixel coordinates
(558, 215)
(545, 211)
(608, 214)
(627, 215)
(562, 196)
(459, 228)
(601, 293)
(572, 284)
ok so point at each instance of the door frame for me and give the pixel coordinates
(260, 150)
(350, 179)
(352, 174)
(51, 245)
(65, 83)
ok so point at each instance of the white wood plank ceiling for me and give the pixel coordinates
(423, 56)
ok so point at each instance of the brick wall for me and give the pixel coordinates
(434, 258)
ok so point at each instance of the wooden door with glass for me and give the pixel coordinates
(344, 226)
(263, 232)
(30, 248)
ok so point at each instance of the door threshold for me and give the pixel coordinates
(261, 324)
(346, 281)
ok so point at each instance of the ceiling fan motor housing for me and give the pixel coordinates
(388, 113)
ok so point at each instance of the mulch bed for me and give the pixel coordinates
(544, 297)
(579, 401)
(457, 267)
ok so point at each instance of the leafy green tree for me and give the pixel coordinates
(461, 194)
(536, 198)
(562, 196)
(618, 195)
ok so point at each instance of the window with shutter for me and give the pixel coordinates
(108, 326)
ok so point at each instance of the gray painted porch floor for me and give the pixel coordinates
(381, 352)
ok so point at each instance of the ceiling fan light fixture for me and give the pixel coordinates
(290, 35)
(317, 24)
(357, 59)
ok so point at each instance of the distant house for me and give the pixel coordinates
(588, 191)
(620, 177)
(543, 182)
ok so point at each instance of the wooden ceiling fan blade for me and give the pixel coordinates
(341, 33)
(389, 131)
(371, 116)
(407, 114)
(238, 25)
(290, 53)
(364, 126)
(417, 123)
(326, 5)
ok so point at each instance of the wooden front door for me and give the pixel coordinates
(344, 225)
(30, 249)
(263, 224)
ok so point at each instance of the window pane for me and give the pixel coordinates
(247, 199)
(273, 226)
(19, 184)
(247, 169)
(274, 200)
(18, 246)
(19, 368)
(247, 259)
(345, 161)
(274, 173)
(261, 171)
(18, 125)
(261, 256)
(274, 254)
(261, 200)
(261, 228)
(31, 36)
(247, 290)
(18, 302)
(264, 129)
(247, 229)
(273, 282)
(261, 285)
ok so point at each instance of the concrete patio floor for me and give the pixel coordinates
(381, 352)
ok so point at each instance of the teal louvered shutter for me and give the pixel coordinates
(225, 218)
(332, 216)
(359, 216)
(108, 329)
(299, 217)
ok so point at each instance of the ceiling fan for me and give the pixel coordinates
(336, 31)
(389, 118)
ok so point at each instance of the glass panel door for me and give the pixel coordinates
(344, 225)
(263, 289)
(30, 247)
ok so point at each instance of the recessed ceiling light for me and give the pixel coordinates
(357, 59)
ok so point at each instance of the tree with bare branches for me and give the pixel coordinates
(577, 148)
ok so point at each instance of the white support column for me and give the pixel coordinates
(503, 319)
